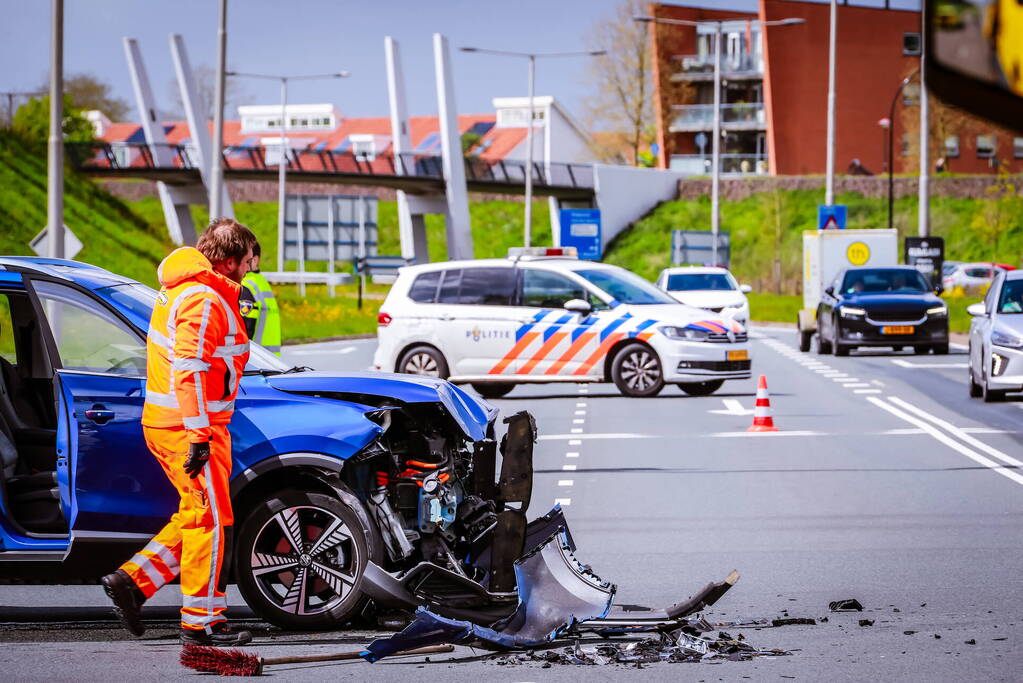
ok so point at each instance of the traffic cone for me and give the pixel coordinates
(762, 421)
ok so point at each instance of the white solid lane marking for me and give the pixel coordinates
(947, 440)
(732, 407)
(763, 434)
(956, 431)
(906, 364)
(572, 454)
(575, 439)
(568, 468)
(564, 482)
(563, 502)
(866, 391)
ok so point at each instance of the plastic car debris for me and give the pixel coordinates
(794, 621)
(850, 605)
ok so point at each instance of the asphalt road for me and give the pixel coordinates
(886, 484)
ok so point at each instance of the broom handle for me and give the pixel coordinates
(338, 656)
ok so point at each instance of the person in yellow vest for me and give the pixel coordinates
(259, 308)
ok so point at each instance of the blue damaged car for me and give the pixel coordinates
(332, 472)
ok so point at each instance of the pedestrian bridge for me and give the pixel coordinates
(414, 173)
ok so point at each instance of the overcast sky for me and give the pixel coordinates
(316, 36)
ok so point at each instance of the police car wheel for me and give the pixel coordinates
(493, 390)
(299, 559)
(636, 371)
(424, 360)
(701, 388)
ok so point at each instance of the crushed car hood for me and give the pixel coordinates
(471, 413)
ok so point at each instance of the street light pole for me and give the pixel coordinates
(829, 185)
(891, 148)
(532, 56)
(529, 155)
(282, 161)
(217, 161)
(923, 198)
(715, 147)
(55, 144)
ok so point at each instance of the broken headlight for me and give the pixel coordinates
(683, 333)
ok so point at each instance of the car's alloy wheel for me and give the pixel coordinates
(637, 371)
(300, 559)
(425, 361)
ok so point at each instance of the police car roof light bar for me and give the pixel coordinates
(518, 253)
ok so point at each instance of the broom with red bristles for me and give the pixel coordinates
(237, 663)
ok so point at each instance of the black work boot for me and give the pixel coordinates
(128, 600)
(218, 635)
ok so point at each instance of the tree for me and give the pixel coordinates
(32, 121)
(206, 88)
(622, 80)
(88, 92)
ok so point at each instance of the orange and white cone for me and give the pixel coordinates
(762, 420)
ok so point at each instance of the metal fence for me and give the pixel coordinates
(131, 156)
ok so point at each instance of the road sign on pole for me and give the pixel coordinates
(41, 243)
(831, 217)
(580, 228)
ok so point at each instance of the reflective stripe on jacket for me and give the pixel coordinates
(265, 311)
(196, 348)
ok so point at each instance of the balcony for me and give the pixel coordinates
(731, 164)
(691, 118)
(743, 66)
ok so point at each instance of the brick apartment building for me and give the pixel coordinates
(774, 94)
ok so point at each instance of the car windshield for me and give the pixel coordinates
(1011, 299)
(625, 287)
(139, 299)
(684, 282)
(884, 281)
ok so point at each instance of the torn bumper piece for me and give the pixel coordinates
(556, 592)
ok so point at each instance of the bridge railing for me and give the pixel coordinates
(140, 156)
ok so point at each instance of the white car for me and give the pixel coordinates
(543, 316)
(970, 279)
(996, 339)
(712, 289)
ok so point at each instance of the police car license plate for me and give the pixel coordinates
(737, 355)
(897, 329)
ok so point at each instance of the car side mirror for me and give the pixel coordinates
(939, 290)
(578, 306)
(829, 290)
(745, 289)
(977, 310)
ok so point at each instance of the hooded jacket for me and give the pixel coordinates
(196, 347)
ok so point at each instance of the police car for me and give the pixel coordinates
(541, 315)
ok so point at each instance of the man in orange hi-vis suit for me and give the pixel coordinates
(196, 352)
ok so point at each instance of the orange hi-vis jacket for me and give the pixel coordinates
(196, 348)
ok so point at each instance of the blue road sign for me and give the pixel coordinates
(831, 217)
(580, 228)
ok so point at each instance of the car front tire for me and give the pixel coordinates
(975, 389)
(300, 559)
(988, 394)
(636, 371)
(425, 361)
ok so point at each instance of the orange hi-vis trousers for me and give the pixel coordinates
(196, 541)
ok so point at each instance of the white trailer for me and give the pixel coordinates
(825, 252)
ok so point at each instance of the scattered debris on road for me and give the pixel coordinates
(794, 621)
(866, 622)
(850, 605)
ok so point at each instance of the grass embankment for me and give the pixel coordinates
(766, 237)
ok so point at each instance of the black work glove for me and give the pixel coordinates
(198, 456)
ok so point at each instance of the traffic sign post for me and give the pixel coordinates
(831, 217)
(40, 244)
(580, 228)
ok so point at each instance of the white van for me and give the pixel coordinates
(543, 316)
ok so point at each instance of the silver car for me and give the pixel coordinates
(996, 339)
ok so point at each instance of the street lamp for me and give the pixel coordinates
(891, 143)
(885, 124)
(282, 162)
(715, 175)
(532, 56)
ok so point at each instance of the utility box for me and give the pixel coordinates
(825, 252)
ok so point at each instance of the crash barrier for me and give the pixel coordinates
(136, 158)
(382, 269)
(762, 420)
